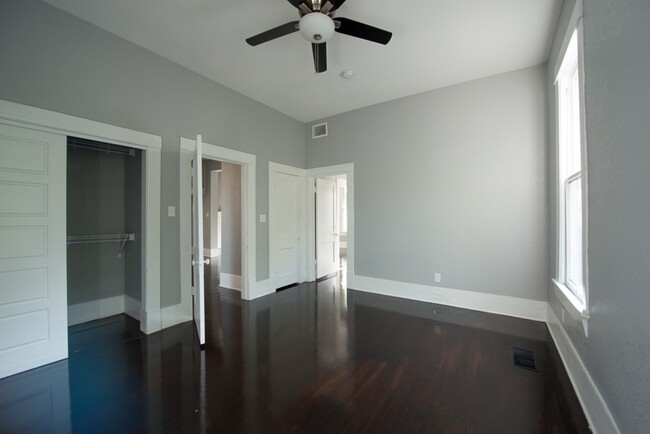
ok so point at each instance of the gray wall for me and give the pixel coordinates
(617, 96)
(95, 205)
(450, 181)
(231, 219)
(133, 224)
(55, 61)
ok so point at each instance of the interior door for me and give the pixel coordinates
(198, 264)
(327, 240)
(33, 301)
(287, 229)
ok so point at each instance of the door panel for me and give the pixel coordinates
(287, 227)
(327, 251)
(33, 301)
(197, 243)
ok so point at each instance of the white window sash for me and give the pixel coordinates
(577, 290)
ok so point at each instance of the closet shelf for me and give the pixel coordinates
(102, 238)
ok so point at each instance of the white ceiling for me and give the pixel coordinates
(435, 43)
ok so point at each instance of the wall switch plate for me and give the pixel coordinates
(437, 277)
(171, 211)
(262, 218)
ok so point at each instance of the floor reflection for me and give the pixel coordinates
(36, 401)
(312, 358)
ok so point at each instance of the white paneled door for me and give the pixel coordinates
(327, 239)
(287, 229)
(33, 302)
(198, 264)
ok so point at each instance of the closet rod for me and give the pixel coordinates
(101, 238)
(99, 146)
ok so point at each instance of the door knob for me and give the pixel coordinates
(203, 262)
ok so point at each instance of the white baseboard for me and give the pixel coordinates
(150, 322)
(598, 415)
(172, 315)
(260, 289)
(156, 320)
(230, 281)
(499, 304)
(132, 307)
(95, 309)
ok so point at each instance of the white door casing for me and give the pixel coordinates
(327, 239)
(247, 161)
(33, 118)
(286, 227)
(198, 264)
(33, 293)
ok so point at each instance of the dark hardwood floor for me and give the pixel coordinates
(313, 358)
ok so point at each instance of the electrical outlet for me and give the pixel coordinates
(437, 277)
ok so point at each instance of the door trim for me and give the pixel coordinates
(274, 170)
(311, 175)
(249, 240)
(25, 116)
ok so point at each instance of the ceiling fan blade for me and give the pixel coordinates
(364, 31)
(320, 56)
(274, 33)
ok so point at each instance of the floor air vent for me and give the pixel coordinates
(524, 359)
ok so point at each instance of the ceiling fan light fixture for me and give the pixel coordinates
(316, 27)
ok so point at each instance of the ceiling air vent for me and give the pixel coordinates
(319, 130)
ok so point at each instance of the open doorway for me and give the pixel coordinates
(222, 225)
(337, 209)
(242, 272)
(331, 223)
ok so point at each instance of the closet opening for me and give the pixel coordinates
(105, 228)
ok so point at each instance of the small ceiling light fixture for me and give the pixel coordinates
(316, 27)
(347, 74)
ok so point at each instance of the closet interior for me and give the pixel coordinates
(104, 230)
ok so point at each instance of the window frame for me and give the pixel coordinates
(572, 61)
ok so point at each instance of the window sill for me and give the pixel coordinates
(570, 302)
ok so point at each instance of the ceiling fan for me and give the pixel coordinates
(317, 25)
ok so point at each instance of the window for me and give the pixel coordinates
(571, 182)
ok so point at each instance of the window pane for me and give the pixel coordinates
(574, 134)
(574, 236)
